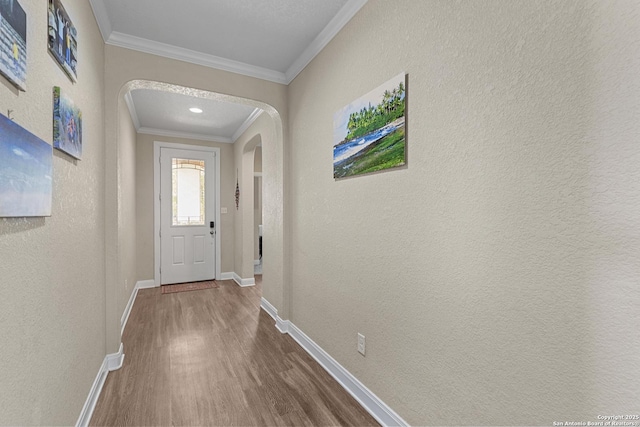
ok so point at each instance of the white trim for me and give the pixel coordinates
(115, 38)
(132, 110)
(102, 18)
(332, 29)
(127, 309)
(248, 122)
(110, 363)
(282, 325)
(226, 276)
(199, 58)
(146, 284)
(142, 284)
(157, 145)
(114, 361)
(365, 397)
(268, 308)
(243, 282)
(187, 135)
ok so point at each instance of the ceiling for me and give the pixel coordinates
(268, 39)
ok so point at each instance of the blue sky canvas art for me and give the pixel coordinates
(369, 133)
(25, 172)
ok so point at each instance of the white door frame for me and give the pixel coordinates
(157, 145)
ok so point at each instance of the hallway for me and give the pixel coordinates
(212, 357)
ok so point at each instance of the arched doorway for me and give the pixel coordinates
(269, 130)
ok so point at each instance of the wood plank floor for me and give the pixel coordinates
(212, 357)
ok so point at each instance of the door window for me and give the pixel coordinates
(187, 195)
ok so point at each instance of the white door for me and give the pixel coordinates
(187, 216)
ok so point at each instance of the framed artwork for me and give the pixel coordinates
(369, 133)
(63, 39)
(13, 43)
(67, 125)
(25, 172)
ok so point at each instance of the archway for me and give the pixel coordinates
(269, 130)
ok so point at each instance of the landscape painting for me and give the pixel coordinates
(369, 133)
(63, 39)
(13, 43)
(25, 172)
(67, 125)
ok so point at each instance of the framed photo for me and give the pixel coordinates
(25, 172)
(63, 39)
(369, 133)
(13, 43)
(67, 125)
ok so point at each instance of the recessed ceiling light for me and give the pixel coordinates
(195, 110)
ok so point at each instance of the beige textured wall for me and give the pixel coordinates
(128, 212)
(496, 277)
(144, 180)
(122, 68)
(52, 319)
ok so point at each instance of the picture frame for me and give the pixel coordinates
(26, 163)
(63, 39)
(67, 124)
(13, 43)
(369, 132)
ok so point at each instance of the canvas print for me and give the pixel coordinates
(13, 43)
(63, 38)
(369, 133)
(25, 172)
(67, 125)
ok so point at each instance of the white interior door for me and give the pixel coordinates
(187, 216)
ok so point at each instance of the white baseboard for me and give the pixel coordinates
(226, 276)
(244, 282)
(367, 399)
(146, 284)
(142, 284)
(110, 363)
(268, 308)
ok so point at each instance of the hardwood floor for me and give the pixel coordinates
(212, 357)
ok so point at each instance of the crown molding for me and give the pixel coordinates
(191, 56)
(252, 118)
(187, 135)
(126, 41)
(102, 18)
(332, 29)
(132, 110)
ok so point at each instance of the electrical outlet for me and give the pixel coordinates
(361, 343)
(223, 210)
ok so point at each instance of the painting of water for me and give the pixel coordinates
(13, 43)
(25, 172)
(369, 133)
(67, 125)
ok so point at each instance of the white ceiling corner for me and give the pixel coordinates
(181, 54)
(273, 40)
(338, 22)
(187, 135)
(102, 18)
(129, 41)
(252, 118)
